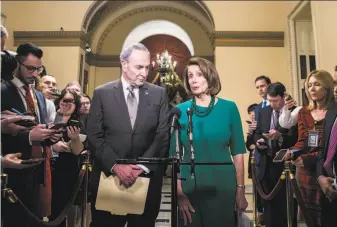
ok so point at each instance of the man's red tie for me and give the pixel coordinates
(44, 203)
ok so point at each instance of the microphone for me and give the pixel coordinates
(190, 124)
(190, 136)
(175, 114)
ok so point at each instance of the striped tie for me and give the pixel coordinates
(132, 105)
(328, 164)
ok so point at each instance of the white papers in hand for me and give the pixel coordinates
(117, 199)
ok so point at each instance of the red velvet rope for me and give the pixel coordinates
(57, 221)
(257, 184)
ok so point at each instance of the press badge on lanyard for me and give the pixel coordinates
(313, 137)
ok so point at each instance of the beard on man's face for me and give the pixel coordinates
(25, 79)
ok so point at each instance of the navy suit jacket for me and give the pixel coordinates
(289, 137)
(330, 119)
(25, 183)
(257, 110)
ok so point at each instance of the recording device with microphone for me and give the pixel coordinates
(190, 124)
(175, 115)
(190, 137)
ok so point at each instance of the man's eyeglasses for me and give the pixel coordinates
(31, 69)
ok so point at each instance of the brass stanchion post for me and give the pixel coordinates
(87, 167)
(289, 193)
(256, 221)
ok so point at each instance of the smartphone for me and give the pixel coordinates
(266, 134)
(74, 123)
(56, 92)
(280, 156)
(26, 123)
(295, 154)
(263, 144)
(59, 125)
(25, 117)
(32, 161)
(249, 122)
(288, 98)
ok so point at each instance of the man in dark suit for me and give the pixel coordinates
(128, 119)
(32, 186)
(270, 138)
(261, 85)
(327, 168)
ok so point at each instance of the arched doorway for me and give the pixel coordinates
(109, 23)
(179, 52)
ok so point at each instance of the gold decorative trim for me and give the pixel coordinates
(102, 60)
(249, 38)
(51, 38)
(113, 60)
(97, 10)
(122, 17)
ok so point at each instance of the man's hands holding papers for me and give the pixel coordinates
(127, 174)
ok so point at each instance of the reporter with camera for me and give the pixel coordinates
(32, 186)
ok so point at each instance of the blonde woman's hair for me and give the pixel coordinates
(325, 79)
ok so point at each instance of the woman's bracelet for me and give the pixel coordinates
(240, 186)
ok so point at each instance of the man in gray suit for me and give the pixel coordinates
(128, 119)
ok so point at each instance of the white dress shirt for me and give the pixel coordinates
(51, 111)
(125, 86)
(289, 118)
(22, 91)
(19, 85)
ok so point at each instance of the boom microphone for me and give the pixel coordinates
(175, 115)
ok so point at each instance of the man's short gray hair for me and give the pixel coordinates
(4, 32)
(126, 52)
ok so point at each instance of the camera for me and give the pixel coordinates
(56, 92)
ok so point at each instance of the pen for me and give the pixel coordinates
(17, 112)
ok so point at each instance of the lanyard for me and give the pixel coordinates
(29, 105)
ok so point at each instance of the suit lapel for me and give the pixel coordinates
(121, 105)
(42, 107)
(269, 115)
(330, 120)
(16, 98)
(142, 105)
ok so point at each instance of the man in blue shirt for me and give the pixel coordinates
(261, 84)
